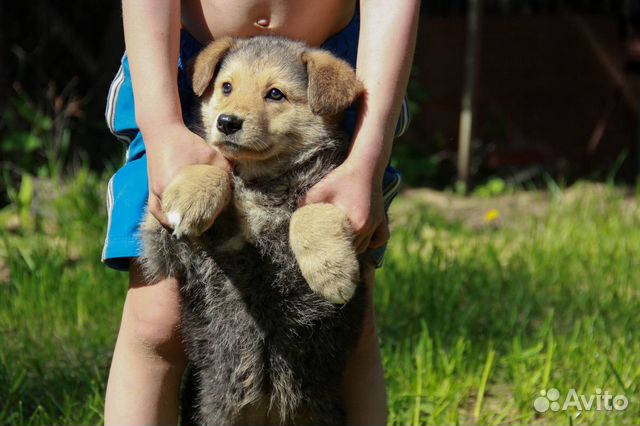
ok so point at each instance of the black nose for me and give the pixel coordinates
(229, 124)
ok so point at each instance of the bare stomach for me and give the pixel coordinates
(312, 21)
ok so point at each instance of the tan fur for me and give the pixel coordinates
(331, 87)
(264, 122)
(332, 83)
(321, 239)
(265, 348)
(318, 87)
(194, 198)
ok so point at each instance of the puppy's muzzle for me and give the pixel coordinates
(229, 124)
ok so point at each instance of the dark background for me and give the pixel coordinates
(557, 92)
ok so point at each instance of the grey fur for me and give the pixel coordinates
(263, 345)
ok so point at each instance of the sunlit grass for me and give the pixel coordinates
(541, 303)
(476, 317)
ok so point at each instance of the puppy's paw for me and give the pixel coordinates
(321, 239)
(194, 198)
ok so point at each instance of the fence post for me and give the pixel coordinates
(465, 132)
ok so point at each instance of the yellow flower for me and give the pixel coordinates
(491, 215)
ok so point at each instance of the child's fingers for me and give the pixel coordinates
(222, 162)
(375, 239)
(155, 209)
(362, 242)
(380, 236)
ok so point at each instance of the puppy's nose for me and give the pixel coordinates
(229, 124)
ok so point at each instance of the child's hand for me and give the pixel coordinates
(360, 197)
(170, 148)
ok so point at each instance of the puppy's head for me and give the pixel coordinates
(268, 97)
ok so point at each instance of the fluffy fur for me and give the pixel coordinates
(267, 344)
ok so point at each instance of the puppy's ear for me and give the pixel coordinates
(333, 84)
(204, 67)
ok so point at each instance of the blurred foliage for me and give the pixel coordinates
(492, 188)
(416, 170)
(422, 159)
(57, 60)
(53, 205)
(37, 139)
(416, 92)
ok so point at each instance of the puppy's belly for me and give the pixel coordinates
(254, 327)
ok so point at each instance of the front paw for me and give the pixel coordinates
(321, 239)
(194, 198)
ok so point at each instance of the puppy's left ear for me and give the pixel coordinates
(333, 84)
(203, 68)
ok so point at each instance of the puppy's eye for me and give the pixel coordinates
(275, 95)
(226, 88)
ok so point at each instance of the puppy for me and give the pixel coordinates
(271, 295)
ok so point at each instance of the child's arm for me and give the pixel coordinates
(387, 40)
(152, 38)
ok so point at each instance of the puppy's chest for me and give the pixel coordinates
(255, 215)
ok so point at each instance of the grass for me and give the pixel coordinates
(477, 313)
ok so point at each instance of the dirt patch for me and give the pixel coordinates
(510, 209)
(475, 212)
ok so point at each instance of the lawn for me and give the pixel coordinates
(483, 303)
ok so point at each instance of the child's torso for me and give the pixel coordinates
(311, 21)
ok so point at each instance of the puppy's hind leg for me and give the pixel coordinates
(321, 239)
(194, 198)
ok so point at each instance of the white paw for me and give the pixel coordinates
(175, 219)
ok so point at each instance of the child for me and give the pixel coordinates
(377, 35)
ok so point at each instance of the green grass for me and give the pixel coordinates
(475, 318)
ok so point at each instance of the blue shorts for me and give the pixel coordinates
(128, 189)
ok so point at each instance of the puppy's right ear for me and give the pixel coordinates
(204, 67)
(333, 84)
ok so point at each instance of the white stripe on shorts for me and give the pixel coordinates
(112, 103)
(109, 214)
(404, 118)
